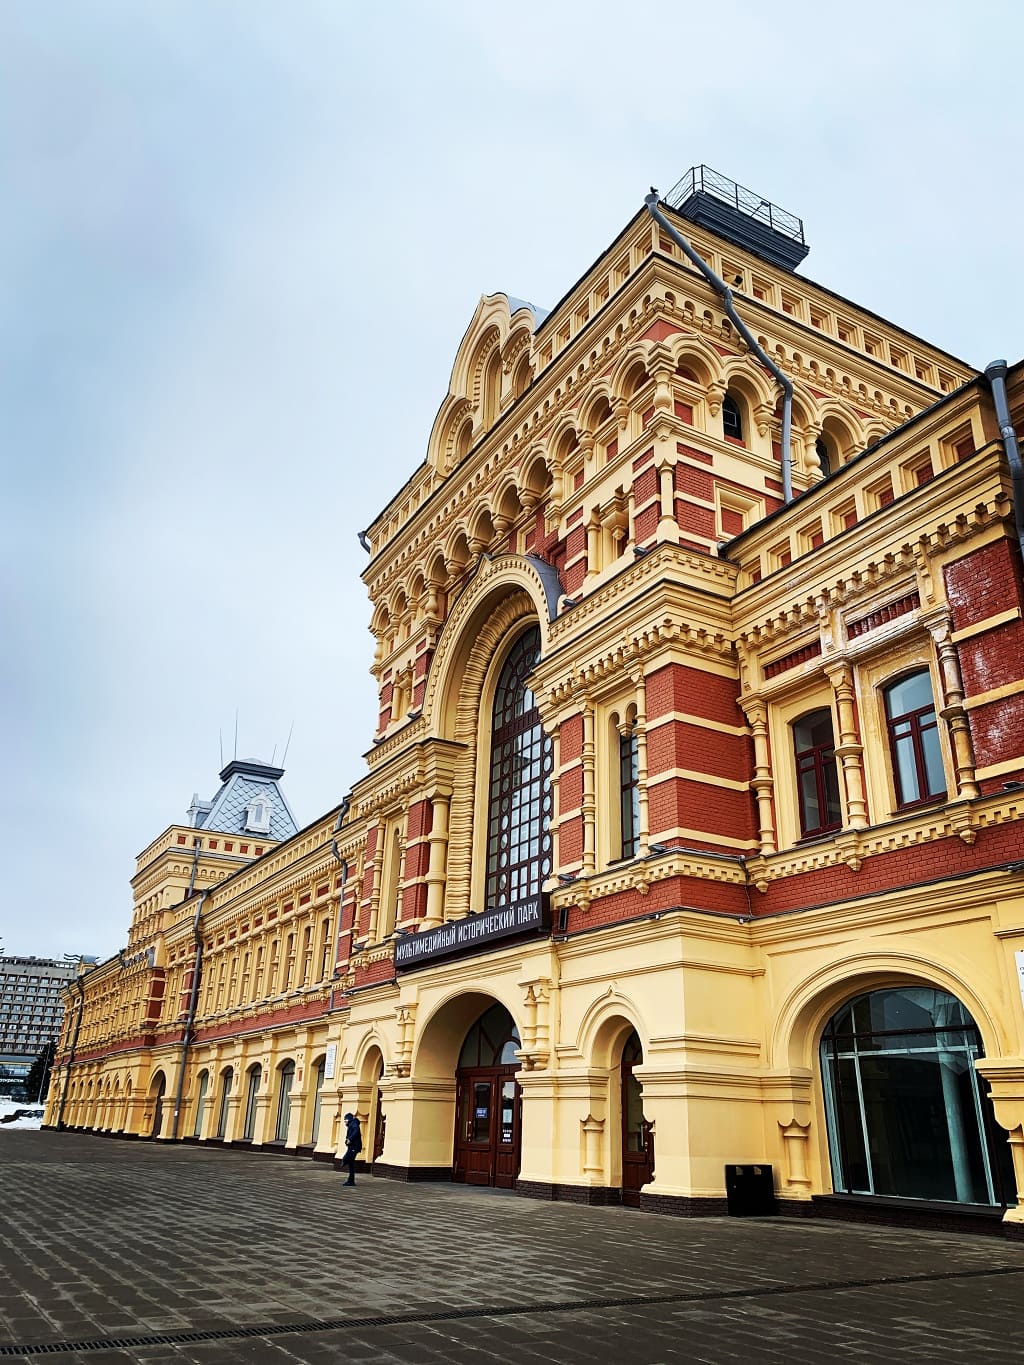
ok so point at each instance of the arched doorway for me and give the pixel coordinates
(908, 1115)
(157, 1091)
(371, 1072)
(637, 1134)
(488, 1103)
(380, 1121)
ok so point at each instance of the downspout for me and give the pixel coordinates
(996, 376)
(721, 288)
(71, 1054)
(344, 878)
(186, 1036)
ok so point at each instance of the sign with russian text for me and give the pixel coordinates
(475, 931)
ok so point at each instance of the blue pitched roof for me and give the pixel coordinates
(241, 781)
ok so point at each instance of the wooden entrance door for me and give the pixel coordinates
(637, 1135)
(158, 1108)
(487, 1124)
(380, 1124)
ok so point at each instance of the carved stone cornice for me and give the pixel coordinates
(641, 874)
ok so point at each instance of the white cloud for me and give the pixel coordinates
(239, 248)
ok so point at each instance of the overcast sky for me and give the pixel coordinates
(239, 246)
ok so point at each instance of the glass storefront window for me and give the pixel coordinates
(908, 1114)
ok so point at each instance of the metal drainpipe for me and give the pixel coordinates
(344, 878)
(995, 373)
(720, 287)
(193, 999)
(71, 1054)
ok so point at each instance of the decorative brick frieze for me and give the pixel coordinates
(943, 855)
(854, 629)
(792, 660)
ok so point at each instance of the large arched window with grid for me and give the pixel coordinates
(519, 798)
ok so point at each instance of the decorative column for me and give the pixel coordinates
(795, 1136)
(953, 712)
(378, 873)
(661, 367)
(667, 527)
(1005, 1076)
(437, 840)
(589, 803)
(534, 1050)
(849, 749)
(233, 1112)
(763, 782)
(594, 543)
(555, 779)
(640, 730)
(406, 1016)
(593, 1142)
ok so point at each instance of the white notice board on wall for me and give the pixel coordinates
(332, 1053)
(1019, 959)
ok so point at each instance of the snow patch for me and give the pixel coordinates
(10, 1106)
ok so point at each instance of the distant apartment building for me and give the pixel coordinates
(30, 1013)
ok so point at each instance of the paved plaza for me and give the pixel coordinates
(129, 1252)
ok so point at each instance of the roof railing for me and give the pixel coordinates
(703, 180)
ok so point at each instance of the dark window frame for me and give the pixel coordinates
(824, 456)
(914, 732)
(519, 800)
(629, 794)
(817, 759)
(732, 417)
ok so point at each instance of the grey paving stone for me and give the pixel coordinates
(109, 1239)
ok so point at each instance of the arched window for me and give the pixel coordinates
(914, 740)
(257, 815)
(522, 377)
(492, 1041)
(816, 776)
(491, 388)
(391, 882)
(252, 1091)
(732, 419)
(519, 800)
(908, 1115)
(204, 1081)
(225, 1091)
(629, 792)
(463, 440)
(286, 1076)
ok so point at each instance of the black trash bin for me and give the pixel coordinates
(750, 1191)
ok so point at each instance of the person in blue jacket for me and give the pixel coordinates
(353, 1146)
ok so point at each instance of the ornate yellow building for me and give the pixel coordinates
(690, 836)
